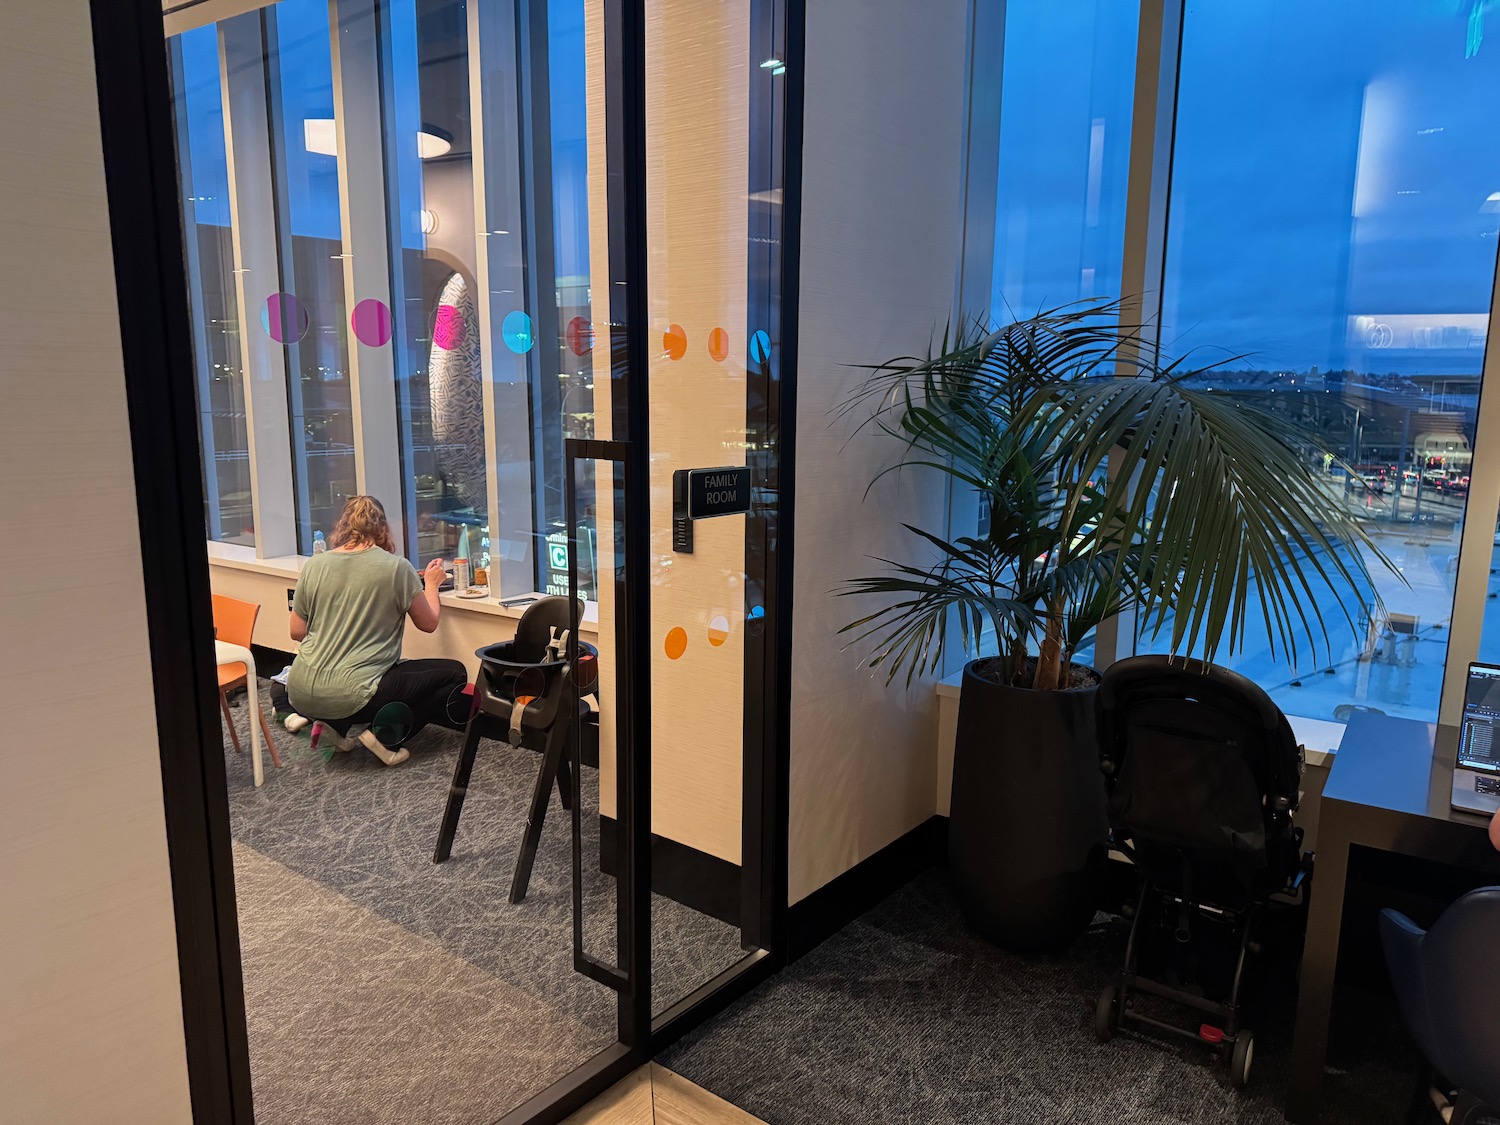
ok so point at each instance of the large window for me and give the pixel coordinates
(1329, 249)
(228, 512)
(402, 215)
(1315, 223)
(314, 317)
(1065, 100)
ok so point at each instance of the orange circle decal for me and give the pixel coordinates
(676, 643)
(718, 345)
(674, 341)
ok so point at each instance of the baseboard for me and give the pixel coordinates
(699, 881)
(831, 907)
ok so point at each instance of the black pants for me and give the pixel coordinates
(423, 685)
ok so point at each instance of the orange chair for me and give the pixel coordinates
(234, 621)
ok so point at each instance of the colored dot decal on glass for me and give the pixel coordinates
(718, 345)
(760, 346)
(755, 621)
(371, 321)
(448, 328)
(580, 335)
(284, 318)
(674, 342)
(516, 329)
(676, 643)
(718, 630)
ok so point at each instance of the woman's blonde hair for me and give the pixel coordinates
(362, 523)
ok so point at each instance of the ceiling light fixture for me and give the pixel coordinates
(769, 63)
(320, 135)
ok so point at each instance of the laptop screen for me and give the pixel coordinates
(1479, 737)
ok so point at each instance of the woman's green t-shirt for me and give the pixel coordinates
(354, 603)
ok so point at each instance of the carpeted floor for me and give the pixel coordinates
(905, 1016)
(380, 986)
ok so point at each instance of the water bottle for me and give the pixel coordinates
(319, 543)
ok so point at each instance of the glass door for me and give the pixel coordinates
(687, 397)
(513, 267)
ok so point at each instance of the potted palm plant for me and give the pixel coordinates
(1189, 508)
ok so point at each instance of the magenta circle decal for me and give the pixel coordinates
(580, 336)
(448, 329)
(371, 321)
(284, 318)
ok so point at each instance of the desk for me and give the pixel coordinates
(1389, 789)
(226, 653)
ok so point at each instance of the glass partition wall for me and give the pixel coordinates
(425, 268)
(1305, 200)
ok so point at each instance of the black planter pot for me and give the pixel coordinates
(1027, 825)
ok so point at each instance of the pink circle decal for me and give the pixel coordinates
(284, 318)
(448, 329)
(371, 321)
(580, 336)
(718, 345)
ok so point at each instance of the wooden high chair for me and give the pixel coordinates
(234, 621)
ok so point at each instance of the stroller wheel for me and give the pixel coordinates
(1107, 1014)
(1241, 1058)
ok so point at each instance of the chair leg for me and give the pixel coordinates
(462, 770)
(546, 777)
(565, 775)
(234, 735)
(265, 731)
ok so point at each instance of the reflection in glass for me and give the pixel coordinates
(204, 171)
(1329, 253)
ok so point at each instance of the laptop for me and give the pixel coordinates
(1476, 776)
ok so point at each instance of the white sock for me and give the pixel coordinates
(295, 722)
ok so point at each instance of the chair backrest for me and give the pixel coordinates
(533, 631)
(1203, 772)
(234, 620)
(1460, 959)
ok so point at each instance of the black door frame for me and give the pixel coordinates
(139, 156)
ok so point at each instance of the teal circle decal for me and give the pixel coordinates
(517, 332)
(760, 346)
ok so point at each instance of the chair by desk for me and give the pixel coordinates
(1448, 985)
(1389, 790)
(234, 626)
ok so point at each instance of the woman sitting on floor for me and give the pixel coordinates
(349, 613)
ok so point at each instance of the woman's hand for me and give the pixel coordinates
(434, 576)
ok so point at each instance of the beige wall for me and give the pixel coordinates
(90, 1008)
(880, 228)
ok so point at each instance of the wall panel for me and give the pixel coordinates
(92, 1028)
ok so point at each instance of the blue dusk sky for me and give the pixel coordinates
(1332, 165)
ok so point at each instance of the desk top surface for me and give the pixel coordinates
(1404, 765)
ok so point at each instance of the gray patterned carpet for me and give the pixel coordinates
(383, 987)
(905, 1016)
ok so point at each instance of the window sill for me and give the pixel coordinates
(1319, 736)
(235, 557)
(289, 567)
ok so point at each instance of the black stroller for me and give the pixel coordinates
(1203, 774)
